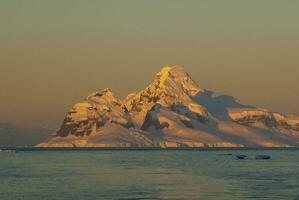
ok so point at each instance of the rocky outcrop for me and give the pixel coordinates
(250, 117)
(87, 117)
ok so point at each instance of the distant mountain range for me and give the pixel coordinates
(173, 111)
(16, 136)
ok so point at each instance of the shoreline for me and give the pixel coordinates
(28, 149)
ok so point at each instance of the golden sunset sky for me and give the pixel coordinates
(53, 53)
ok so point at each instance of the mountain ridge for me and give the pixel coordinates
(12, 135)
(172, 111)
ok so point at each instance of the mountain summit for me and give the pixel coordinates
(173, 111)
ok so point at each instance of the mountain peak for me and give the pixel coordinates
(175, 72)
(106, 90)
(103, 94)
(164, 70)
(172, 86)
(176, 77)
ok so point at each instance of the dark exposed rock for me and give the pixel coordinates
(151, 119)
(183, 110)
(187, 123)
(268, 120)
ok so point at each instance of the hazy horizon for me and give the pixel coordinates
(54, 53)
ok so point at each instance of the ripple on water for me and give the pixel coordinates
(149, 175)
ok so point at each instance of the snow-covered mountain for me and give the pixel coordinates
(173, 111)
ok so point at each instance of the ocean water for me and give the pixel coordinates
(207, 175)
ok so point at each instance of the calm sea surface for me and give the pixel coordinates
(214, 175)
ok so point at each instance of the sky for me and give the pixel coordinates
(54, 53)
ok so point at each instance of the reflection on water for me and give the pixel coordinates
(149, 175)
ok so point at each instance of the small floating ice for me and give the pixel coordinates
(241, 157)
(262, 157)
